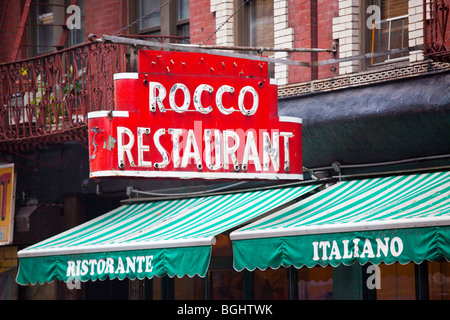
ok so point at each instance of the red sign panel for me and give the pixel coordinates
(195, 115)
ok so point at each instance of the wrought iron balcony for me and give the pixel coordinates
(436, 30)
(46, 99)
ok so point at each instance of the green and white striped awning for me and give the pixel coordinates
(166, 237)
(400, 218)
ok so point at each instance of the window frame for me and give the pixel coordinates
(151, 30)
(169, 25)
(367, 34)
(181, 23)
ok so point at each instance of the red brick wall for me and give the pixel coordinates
(312, 23)
(105, 17)
(202, 21)
(326, 11)
(299, 17)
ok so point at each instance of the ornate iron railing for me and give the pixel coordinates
(46, 99)
(436, 29)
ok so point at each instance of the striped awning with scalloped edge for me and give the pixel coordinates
(400, 218)
(165, 237)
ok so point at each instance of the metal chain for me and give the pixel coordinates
(142, 17)
(226, 21)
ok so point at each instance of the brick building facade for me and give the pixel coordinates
(296, 24)
(347, 118)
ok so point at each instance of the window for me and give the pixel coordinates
(8, 270)
(77, 36)
(254, 23)
(254, 26)
(315, 283)
(397, 282)
(226, 284)
(439, 280)
(390, 33)
(270, 284)
(183, 18)
(42, 20)
(153, 21)
(46, 22)
(168, 20)
(187, 288)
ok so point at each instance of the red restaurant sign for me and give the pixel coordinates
(195, 115)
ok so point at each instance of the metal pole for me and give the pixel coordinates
(196, 48)
(367, 55)
(207, 49)
(258, 49)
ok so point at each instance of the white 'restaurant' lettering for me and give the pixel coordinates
(217, 152)
(124, 148)
(230, 148)
(217, 149)
(162, 151)
(143, 148)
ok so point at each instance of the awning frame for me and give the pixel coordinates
(359, 215)
(162, 244)
(344, 227)
(178, 233)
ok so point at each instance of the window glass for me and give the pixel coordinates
(393, 8)
(315, 283)
(8, 272)
(439, 280)
(183, 29)
(187, 288)
(391, 31)
(77, 35)
(44, 26)
(271, 284)
(145, 7)
(156, 287)
(226, 285)
(397, 282)
(254, 26)
(261, 23)
(254, 23)
(183, 9)
(45, 17)
(169, 20)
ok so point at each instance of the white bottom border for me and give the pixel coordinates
(195, 175)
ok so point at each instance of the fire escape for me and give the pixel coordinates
(436, 30)
(45, 100)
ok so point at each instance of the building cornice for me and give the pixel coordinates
(362, 78)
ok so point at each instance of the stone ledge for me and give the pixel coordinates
(362, 78)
